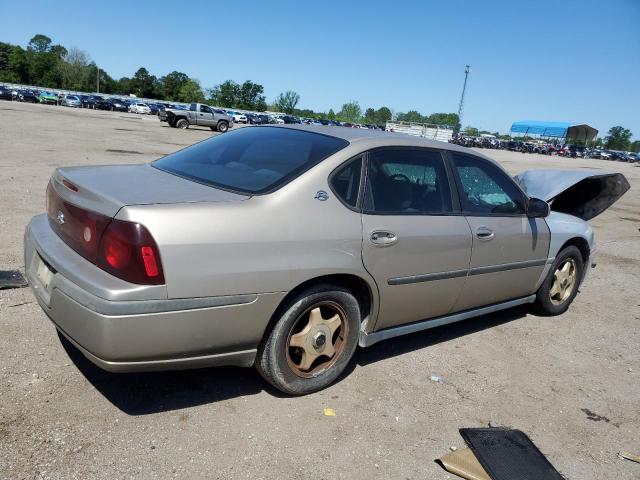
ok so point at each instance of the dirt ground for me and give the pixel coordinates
(572, 383)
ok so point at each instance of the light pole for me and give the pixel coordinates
(464, 89)
(98, 81)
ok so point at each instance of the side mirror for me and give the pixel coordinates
(537, 208)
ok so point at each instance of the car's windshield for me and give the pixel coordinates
(251, 160)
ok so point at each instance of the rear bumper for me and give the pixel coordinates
(143, 335)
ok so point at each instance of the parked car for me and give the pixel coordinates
(261, 247)
(237, 116)
(71, 101)
(290, 120)
(28, 96)
(5, 94)
(139, 107)
(48, 98)
(89, 101)
(256, 119)
(197, 114)
(118, 105)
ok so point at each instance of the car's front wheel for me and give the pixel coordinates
(182, 123)
(312, 341)
(561, 285)
(222, 127)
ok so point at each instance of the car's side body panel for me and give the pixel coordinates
(423, 274)
(508, 265)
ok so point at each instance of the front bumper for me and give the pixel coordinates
(140, 335)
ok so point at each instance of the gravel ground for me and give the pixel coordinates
(570, 382)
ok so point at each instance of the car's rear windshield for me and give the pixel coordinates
(251, 160)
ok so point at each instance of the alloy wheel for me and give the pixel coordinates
(564, 280)
(317, 339)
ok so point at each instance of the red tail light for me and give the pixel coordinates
(124, 249)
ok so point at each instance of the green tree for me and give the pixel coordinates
(75, 71)
(369, 115)
(251, 96)
(635, 146)
(618, 138)
(287, 101)
(472, 131)
(450, 119)
(383, 115)
(143, 83)
(191, 92)
(411, 116)
(350, 111)
(226, 94)
(169, 86)
(39, 43)
(331, 115)
(123, 86)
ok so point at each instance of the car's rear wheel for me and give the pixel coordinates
(222, 127)
(312, 341)
(182, 123)
(561, 285)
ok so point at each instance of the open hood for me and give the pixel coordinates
(583, 194)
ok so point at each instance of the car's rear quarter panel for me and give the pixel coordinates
(268, 243)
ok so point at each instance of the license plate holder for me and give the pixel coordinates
(44, 274)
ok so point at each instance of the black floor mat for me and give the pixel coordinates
(508, 454)
(12, 279)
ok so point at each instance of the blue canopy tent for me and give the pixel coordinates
(567, 130)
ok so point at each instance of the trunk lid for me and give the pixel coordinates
(106, 189)
(583, 194)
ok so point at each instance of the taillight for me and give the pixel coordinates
(124, 249)
(128, 251)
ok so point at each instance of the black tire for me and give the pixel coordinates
(549, 304)
(273, 360)
(182, 123)
(222, 126)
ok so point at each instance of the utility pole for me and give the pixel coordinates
(98, 81)
(464, 89)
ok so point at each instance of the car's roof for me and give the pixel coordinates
(375, 137)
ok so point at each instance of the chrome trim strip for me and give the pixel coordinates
(428, 277)
(507, 266)
(368, 339)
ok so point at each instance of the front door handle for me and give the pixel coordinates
(485, 233)
(383, 238)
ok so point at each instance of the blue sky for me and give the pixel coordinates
(574, 60)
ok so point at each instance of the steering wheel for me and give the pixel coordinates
(400, 176)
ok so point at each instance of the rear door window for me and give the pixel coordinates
(407, 181)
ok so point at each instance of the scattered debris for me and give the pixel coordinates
(453, 448)
(493, 425)
(629, 456)
(594, 416)
(20, 304)
(464, 464)
(437, 378)
(12, 279)
(329, 412)
(507, 454)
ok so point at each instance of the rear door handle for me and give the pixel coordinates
(485, 233)
(383, 238)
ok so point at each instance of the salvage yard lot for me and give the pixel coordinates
(572, 383)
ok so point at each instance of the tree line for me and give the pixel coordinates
(49, 65)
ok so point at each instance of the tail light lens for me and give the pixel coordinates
(124, 249)
(127, 250)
